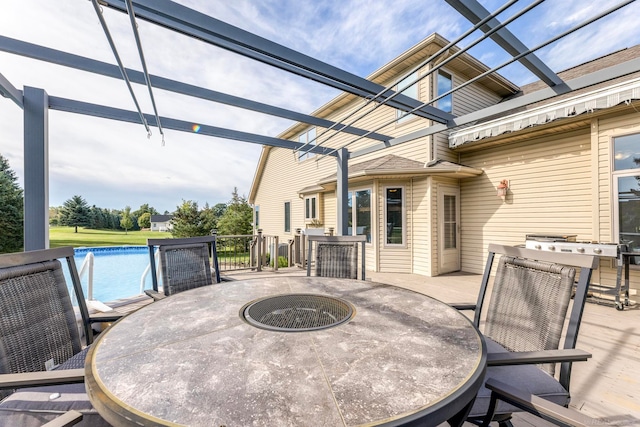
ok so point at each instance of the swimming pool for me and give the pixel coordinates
(117, 271)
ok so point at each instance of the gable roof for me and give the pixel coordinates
(390, 72)
(161, 218)
(393, 165)
(464, 64)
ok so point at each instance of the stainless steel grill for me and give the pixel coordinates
(297, 312)
(568, 244)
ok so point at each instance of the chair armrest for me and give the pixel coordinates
(41, 378)
(535, 357)
(67, 419)
(463, 306)
(538, 406)
(107, 316)
(157, 296)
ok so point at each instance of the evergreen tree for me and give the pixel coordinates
(237, 217)
(75, 213)
(187, 221)
(210, 216)
(11, 210)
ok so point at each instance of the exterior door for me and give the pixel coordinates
(448, 229)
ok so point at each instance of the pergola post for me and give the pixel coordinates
(342, 192)
(36, 169)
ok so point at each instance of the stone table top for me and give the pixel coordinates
(192, 359)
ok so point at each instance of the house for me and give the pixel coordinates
(161, 222)
(430, 206)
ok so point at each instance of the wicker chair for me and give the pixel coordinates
(523, 324)
(184, 264)
(336, 256)
(41, 356)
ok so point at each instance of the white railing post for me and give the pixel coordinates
(87, 267)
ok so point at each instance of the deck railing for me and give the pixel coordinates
(251, 252)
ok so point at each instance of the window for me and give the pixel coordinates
(308, 137)
(450, 222)
(394, 218)
(310, 208)
(626, 175)
(411, 91)
(287, 217)
(360, 218)
(256, 216)
(445, 85)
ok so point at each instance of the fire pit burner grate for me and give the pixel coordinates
(297, 312)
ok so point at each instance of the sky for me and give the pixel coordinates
(113, 164)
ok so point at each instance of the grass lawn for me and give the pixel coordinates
(65, 236)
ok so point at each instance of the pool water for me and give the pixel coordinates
(117, 271)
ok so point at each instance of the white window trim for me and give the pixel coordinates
(313, 217)
(284, 215)
(411, 117)
(256, 217)
(435, 86)
(614, 175)
(302, 152)
(404, 217)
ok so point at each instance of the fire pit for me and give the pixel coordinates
(297, 312)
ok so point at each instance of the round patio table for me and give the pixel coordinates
(207, 357)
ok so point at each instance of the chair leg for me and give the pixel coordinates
(493, 402)
(459, 419)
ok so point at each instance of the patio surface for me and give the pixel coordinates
(607, 387)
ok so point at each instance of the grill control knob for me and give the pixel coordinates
(538, 247)
(597, 251)
(551, 248)
(581, 250)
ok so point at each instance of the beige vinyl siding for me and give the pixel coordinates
(330, 210)
(471, 98)
(278, 185)
(421, 236)
(549, 192)
(466, 100)
(283, 177)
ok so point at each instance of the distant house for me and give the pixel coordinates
(161, 222)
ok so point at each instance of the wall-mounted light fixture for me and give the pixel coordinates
(502, 188)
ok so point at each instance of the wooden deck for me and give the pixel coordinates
(607, 387)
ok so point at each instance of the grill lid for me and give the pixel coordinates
(297, 312)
